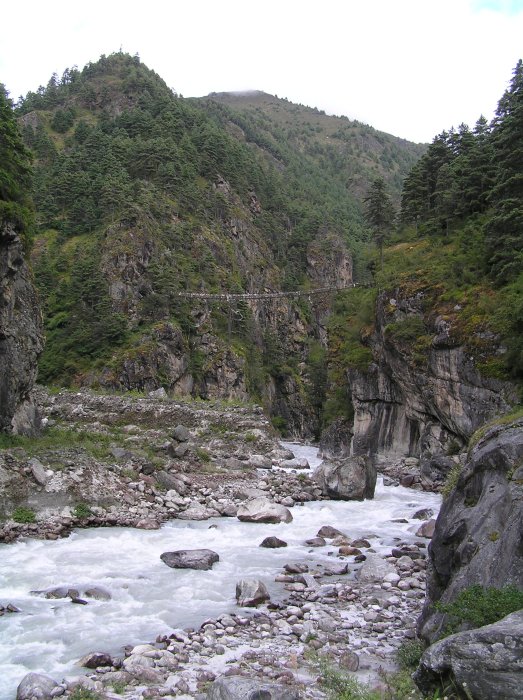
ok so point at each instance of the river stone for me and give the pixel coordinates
(236, 688)
(263, 510)
(423, 514)
(260, 462)
(427, 529)
(329, 532)
(296, 463)
(98, 593)
(36, 686)
(273, 543)
(38, 471)
(488, 659)
(251, 592)
(352, 478)
(201, 559)
(374, 569)
(95, 659)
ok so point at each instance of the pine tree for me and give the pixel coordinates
(504, 230)
(379, 213)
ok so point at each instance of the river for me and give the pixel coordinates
(147, 597)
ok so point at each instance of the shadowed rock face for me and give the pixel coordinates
(405, 406)
(477, 539)
(21, 337)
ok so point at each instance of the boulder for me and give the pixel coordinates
(201, 559)
(427, 529)
(237, 688)
(374, 569)
(352, 478)
(260, 462)
(36, 686)
(296, 463)
(95, 659)
(251, 592)
(273, 543)
(487, 659)
(329, 532)
(263, 510)
(181, 433)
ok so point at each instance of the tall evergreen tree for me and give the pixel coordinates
(379, 213)
(505, 228)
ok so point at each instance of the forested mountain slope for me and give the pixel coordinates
(438, 350)
(140, 195)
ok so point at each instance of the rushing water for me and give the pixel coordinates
(147, 597)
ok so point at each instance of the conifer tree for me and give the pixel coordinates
(379, 213)
(505, 228)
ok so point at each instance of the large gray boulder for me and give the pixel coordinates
(477, 539)
(36, 686)
(488, 659)
(201, 559)
(236, 688)
(348, 479)
(374, 569)
(251, 592)
(263, 510)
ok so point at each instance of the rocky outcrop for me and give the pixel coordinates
(487, 661)
(21, 337)
(349, 479)
(477, 539)
(423, 394)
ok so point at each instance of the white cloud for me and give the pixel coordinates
(409, 67)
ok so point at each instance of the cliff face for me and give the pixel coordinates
(478, 536)
(21, 336)
(422, 395)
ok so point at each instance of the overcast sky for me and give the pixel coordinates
(409, 67)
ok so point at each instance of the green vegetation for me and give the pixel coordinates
(22, 514)
(15, 173)
(81, 511)
(409, 654)
(506, 419)
(81, 693)
(59, 438)
(477, 606)
(202, 454)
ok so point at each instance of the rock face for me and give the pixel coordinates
(419, 403)
(477, 539)
(349, 479)
(263, 510)
(201, 559)
(487, 659)
(21, 337)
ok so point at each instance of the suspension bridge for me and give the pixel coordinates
(230, 296)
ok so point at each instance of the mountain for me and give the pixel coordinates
(349, 152)
(142, 196)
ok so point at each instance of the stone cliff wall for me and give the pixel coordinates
(422, 395)
(21, 338)
(478, 536)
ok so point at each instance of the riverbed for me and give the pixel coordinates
(146, 597)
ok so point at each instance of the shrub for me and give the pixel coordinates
(24, 515)
(409, 654)
(477, 606)
(81, 511)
